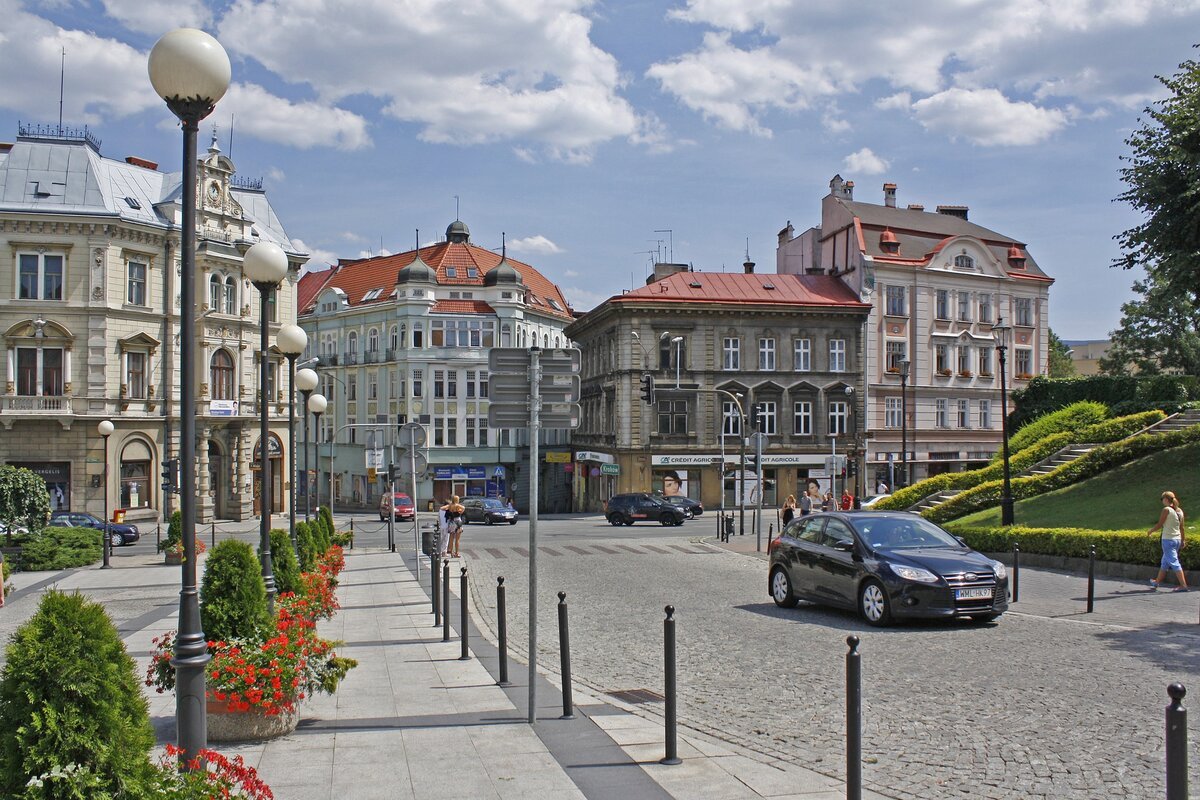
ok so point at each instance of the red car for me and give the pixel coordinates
(405, 510)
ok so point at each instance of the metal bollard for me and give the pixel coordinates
(158, 537)
(728, 526)
(446, 600)
(564, 654)
(502, 626)
(853, 721)
(672, 754)
(462, 601)
(352, 536)
(770, 535)
(1091, 579)
(435, 575)
(1177, 766)
(1016, 578)
(212, 536)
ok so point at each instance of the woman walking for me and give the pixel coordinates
(1170, 522)
(789, 509)
(455, 512)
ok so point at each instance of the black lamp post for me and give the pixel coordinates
(316, 406)
(1001, 333)
(904, 365)
(106, 428)
(852, 450)
(306, 382)
(265, 264)
(292, 340)
(190, 71)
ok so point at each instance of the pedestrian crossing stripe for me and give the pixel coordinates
(501, 553)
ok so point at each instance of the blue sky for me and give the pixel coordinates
(580, 128)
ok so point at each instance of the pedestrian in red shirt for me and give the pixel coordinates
(847, 500)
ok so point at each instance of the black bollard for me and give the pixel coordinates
(352, 536)
(1177, 766)
(212, 535)
(462, 601)
(672, 755)
(1091, 579)
(435, 574)
(564, 655)
(853, 721)
(446, 600)
(158, 537)
(502, 626)
(1016, 579)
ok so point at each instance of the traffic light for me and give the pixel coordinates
(169, 475)
(756, 415)
(648, 388)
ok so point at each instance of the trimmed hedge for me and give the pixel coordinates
(1123, 394)
(1126, 547)
(62, 548)
(1108, 431)
(174, 531)
(987, 494)
(233, 597)
(306, 544)
(1071, 418)
(283, 563)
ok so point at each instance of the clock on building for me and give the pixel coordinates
(214, 192)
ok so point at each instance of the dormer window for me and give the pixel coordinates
(372, 295)
(964, 261)
(451, 272)
(472, 272)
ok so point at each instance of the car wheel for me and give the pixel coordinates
(488, 521)
(983, 618)
(614, 520)
(512, 522)
(667, 519)
(781, 589)
(629, 522)
(115, 539)
(874, 605)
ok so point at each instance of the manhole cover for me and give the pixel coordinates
(635, 696)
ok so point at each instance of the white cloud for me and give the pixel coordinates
(987, 117)
(318, 259)
(158, 16)
(865, 162)
(899, 100)
(539, 245)
(583, 299)
(479, 71)
(570, 274)
(299, 124)
(276, 174)
(383, 251)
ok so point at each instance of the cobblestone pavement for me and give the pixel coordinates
(1025, 708)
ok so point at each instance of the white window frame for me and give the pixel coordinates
(893, 413)
(964, 306)
(964, 414)
(941, 414)
(896, 300)
(941, 305)
(802, 355)
(143, 284)
(766, 354)
(41, 255)
(769, 417)
(731, 354)
(837, 355)
(985, 414)
(839, 417)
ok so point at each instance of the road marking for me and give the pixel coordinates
(605, 550)
(631, 549)
(496, 552)
(654, 549)
(579, 550)
(550, 551)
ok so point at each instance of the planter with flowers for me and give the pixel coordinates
(261, 667)
(172, 546)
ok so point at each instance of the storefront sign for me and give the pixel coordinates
(685, 460)
(223, 408)
(50, 473)
(477, 473)
(558, 458)
(610, 469)
(587, 455)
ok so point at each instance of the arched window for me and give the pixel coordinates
(372, 340)
(221, 376)
(394, 339)
(545, 340)
(352, 343)
(506, 335)
(231, 295)
(216, 291)
(556, 342)
(964, 261)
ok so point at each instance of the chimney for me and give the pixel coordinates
(849, 190)
(140, 162)
(915, 207)
(748, 266)
(889, 195)
(835, 185)
(787, 234)
(953, 211)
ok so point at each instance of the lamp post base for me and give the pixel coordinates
(1006, 511)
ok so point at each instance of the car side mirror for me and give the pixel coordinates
(845, 547)
(962, 541)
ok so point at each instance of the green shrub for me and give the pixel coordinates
(283, 562)
(233, 597)
(1126, 547)
(174, 532)
(1106, 456)
(1072, 418)
(325, 539)
(306, 546)
(1123, 394)
(5, 572)
(24, 502)
(70, 695)
(62, 548)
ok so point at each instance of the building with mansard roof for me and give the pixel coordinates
(90, 321)
(936, 283)
(405, 338)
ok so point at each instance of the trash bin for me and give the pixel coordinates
(429, 540)
(118, 515)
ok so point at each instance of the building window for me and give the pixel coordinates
(769, 418)
(136, 273)
(964, 261)
(731, 354)
(941, 357)
(352, 388)
(1024, 311)
(672, 417)
(802, 355)
(135, 375)
(942, 304)
(418, 341)
(372, 340)
(221, 376)
(942, 413)
(472, 425)
(731, 421)
(671, 352)
(964, 414)
(273, 305)
(1024, 363)
(985, 307)
(40, 371)
(474, 333)
(231, 295)
(135, 484)
(394, 340)
(439, 384)
(897, 351)
(41, 276)
(964, 361)
(896, 305)
(417, 382)
(893, 408)
(766, 355)
(216, 292)
(351, 346)
(838, 414)
(964, 306)
(837, 355)
(985, 413)
(802, 411)
(985, 361)
(372, 385)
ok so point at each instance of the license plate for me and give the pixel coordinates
(973, 594)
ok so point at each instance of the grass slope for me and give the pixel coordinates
(1125, 498)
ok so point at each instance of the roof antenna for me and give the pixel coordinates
(62, 79)
(457, 218)
(503, 245)
(747, 248)
(670, 243)
(231, 137)
(418, 242)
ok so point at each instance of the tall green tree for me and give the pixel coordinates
(1158, 332)
(24, 501)
(1061, 365)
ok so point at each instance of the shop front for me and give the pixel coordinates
(469, 481)
(595, 480)
(57, 475)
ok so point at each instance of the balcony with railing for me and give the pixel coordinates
(38, 404)
(350, 359)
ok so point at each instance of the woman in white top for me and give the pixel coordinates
(1170, 522)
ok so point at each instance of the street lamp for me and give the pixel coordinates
(291, 341)
(306, 382)
(904, 365)
(190, 71)
(852, 450)
(1001, 333)
(316, 406)
(678, 342)
(106, 428)
(265, 264)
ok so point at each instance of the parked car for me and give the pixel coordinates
(489, 510)
(626, 509)
(885, 565)
(118, 532)
(691, 508)
(873, 499)
(405, 510)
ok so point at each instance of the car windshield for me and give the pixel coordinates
(901, 533)
(492, 502)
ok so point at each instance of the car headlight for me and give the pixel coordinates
(915, 574)
(1000, 570)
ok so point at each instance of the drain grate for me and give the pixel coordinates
(636, 696)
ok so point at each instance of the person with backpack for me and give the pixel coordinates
(455, 516)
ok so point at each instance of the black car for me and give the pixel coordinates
(118, 532)
(626, 509)
(489, 510)
(885, 565)
(691, 508)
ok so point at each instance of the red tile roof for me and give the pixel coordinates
(737, 287)
(463, 307)
(310, 285)
(358, 277)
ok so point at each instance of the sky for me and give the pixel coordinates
(598, 137)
